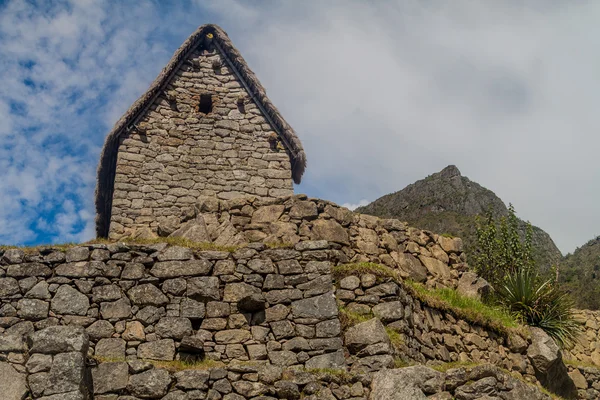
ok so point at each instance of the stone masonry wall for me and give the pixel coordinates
(428, 335)
(177, 153)
(164, 302)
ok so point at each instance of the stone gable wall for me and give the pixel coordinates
(177, 153)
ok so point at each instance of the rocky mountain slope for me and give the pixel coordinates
(447, 202)
(579, 273)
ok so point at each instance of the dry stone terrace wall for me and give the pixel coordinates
(587, 349)
(164, 302)
(428, 336)
(177, 153)
(419, 255)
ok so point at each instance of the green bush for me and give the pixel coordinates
(540, 303)
(500, 250)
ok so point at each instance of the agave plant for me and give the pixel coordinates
(540, 303)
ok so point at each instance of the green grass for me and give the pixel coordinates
(454, 364)
(395, 338)
(173, 241)
(580, 364)
(472, 310)
(350, 318)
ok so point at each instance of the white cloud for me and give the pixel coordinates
(385, 93)
(354, 206)
(380, 93)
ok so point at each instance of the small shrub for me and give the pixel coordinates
(500, 250)
(541, 304)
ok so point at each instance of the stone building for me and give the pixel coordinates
(205, 127)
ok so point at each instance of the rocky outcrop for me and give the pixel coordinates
(447, 202)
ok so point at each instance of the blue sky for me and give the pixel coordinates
(381, 94)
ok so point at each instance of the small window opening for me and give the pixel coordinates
(205, 105)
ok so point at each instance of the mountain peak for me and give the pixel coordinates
(450, 172)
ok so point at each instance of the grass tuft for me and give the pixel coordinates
(395, 338)
(173, 241)
(350, 318)
(454, 364)
(469, 309)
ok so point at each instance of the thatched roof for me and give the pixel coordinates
(235, 61)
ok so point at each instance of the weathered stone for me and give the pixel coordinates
(173, 269)
(320, 307)
(365, 333)
(451, 245)
(106, 293)
(39, 291)
(13, 256)
(152, 384)
(404, 383)
(388, 312)
(350, 282)
(119, 309)
(13, 384)
(436, 267)
(192, 309)
(546, 359)
(333, 360)
(110, 377)
(33, 309)
(283, 296)
(471, 285)
(69, 301)
(410, 267)
(250, 389)
(283, 358)
(330, 328)
(147, 295)
(231, 336)
(9, 287)
(578, 379)
(110, 348)
(158, 350)
(28, 269)
(59, 339)
(192, 379)
(149, 315)
(329, 230)
(194, 231)
(234, 292)
(267, 214)
(262, 266)
(77, 254)
(203, 288)
(39, 363)
(66, 374)
(174, 327)
(100, 329)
